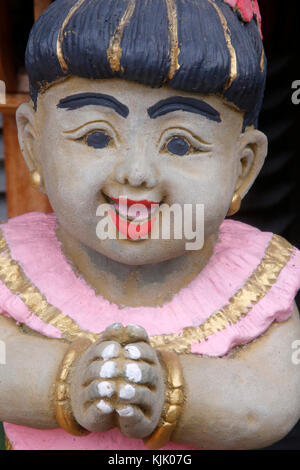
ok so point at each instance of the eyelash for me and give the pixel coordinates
(81, 134)
(196, 145)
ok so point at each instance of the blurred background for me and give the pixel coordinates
(272, 204)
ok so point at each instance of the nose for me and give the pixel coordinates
(137, 171)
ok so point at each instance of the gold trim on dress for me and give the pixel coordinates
(277, 255)
(18, 283)
(59, 44)
(114, 52)
(174, 44)
(8, 444)
(231, 50)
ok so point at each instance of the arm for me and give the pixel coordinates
(28, 377)
(247, 401)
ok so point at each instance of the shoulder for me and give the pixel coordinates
(25, 241)
(275, 270)
(280, 340)
(262, 273)
(268, 259)
(28, 237)
(267, 251)
(27, 227)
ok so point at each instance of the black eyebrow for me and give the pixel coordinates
(179, 103)
(80, 100)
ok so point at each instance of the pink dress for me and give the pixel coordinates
(249, 283)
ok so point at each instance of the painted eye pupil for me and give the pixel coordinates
(178, 146)
(98, 140)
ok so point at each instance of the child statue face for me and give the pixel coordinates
(95, 141)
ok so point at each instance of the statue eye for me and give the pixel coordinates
(98, 140)
(178, 146)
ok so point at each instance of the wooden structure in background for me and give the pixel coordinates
(39, 7)
(22, 197)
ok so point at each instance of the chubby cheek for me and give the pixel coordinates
(73, 177)
(215, 209)
(209, 182)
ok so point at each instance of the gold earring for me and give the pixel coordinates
(235, 204)
(36, 179)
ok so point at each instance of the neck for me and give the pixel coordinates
(135, 286)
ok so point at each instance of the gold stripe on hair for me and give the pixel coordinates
(114, 52)
(277, 255)
(13, 276)
(262, 60)
(59, 44)
(232, 53)
(174, 44)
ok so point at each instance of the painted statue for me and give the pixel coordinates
(117, 337)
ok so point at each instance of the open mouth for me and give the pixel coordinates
(132, 210)
(133, 219)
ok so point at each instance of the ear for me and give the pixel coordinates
(28, 137)
(253, 150)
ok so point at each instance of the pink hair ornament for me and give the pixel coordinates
(247, 9)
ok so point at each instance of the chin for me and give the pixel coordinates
(138, 253)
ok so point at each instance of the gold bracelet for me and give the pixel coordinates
(63, 410)
(174, 401)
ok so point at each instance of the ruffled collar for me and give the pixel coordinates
(60, 304)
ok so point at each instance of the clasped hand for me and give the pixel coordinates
(119, 382)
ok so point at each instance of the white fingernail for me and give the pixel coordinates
(133, 373)
(109, 370)
(104, 407)
(127, 392)
(117, 326)
(133, 352)
(124, 412)
(106, 389)
(110, 351)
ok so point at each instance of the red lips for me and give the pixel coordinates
(133, 231)
(131, 202)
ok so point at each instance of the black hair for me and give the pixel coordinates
(200, 46)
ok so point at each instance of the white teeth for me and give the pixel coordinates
(137, 212)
